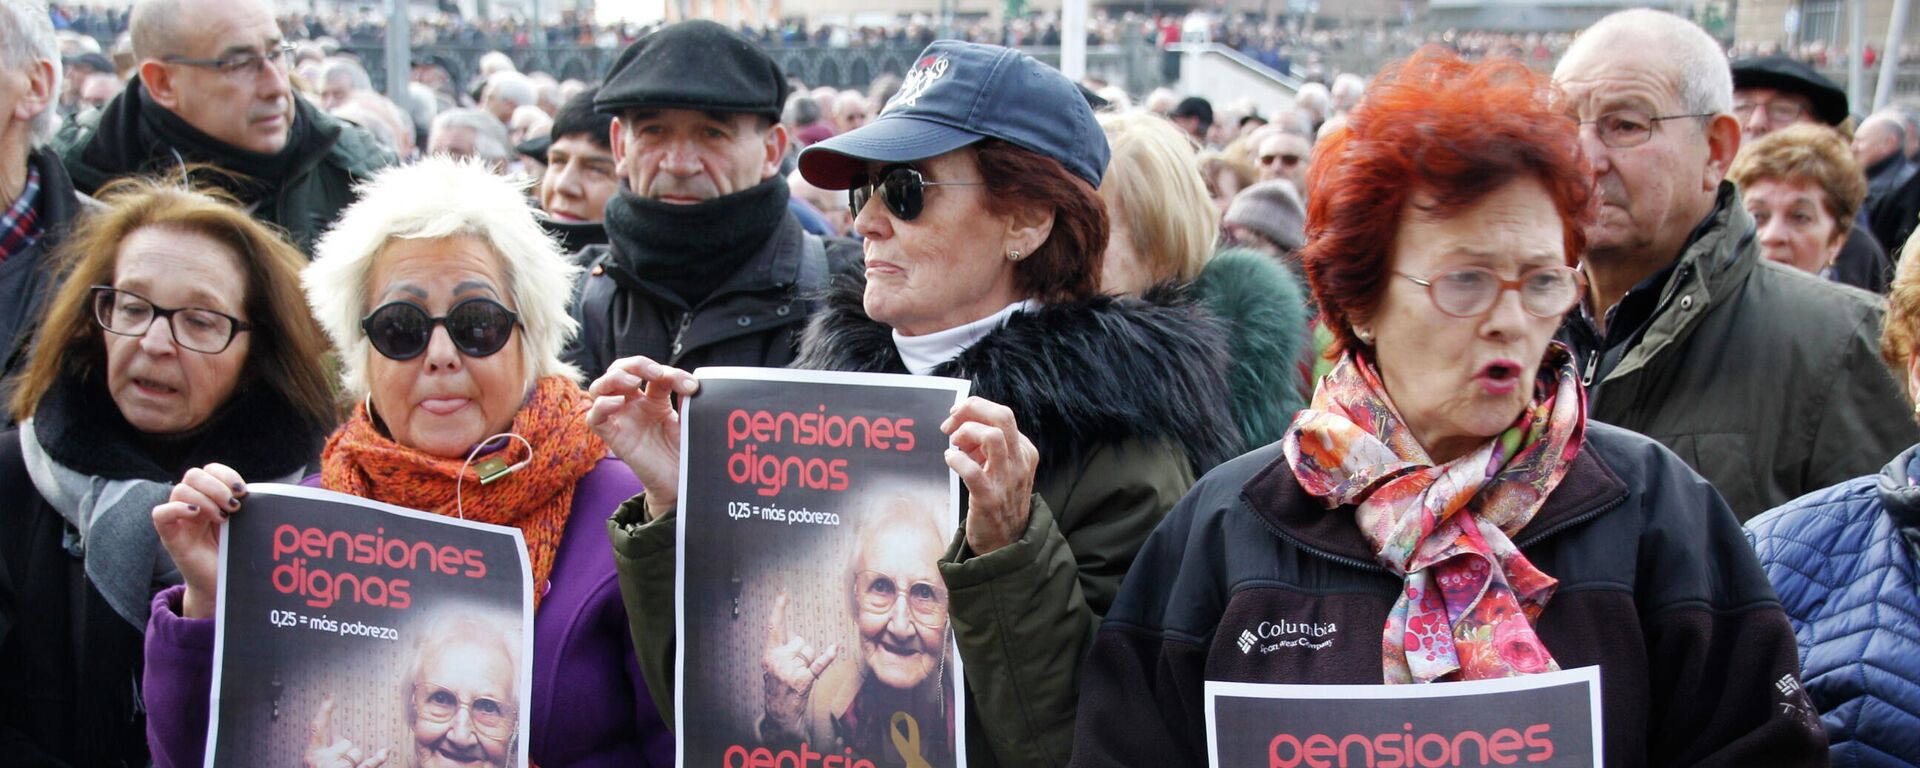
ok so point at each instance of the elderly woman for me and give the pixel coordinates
(179, 337)
(1803, 188)
(1846, 563)
(1445, 478)
(1092, 413)
(1162, 245)
(448, 306)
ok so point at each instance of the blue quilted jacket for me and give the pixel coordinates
(1846, 564)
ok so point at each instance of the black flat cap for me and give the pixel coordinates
(694, 65)
(1783, 73)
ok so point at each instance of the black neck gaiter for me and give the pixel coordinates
(690, 250)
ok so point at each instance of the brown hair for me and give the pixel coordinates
(1801, 153)
(287, 347)
(1067, 266)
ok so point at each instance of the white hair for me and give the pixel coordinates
(440, 197)
(343, 67)
(514, 87)
(495, 61)
(489, 134)
(28, 38)
(1696, 60)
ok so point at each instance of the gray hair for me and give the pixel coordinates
(340, 66)
(490, 135)
(29, 38)
(514, 87)
(801, 110)
(1698, 63)
(440, 197)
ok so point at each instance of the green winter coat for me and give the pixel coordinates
(1765, 379)
(304, 204)
(1145, 408)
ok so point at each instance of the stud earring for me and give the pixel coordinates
(1013, 256)
(1366, 336)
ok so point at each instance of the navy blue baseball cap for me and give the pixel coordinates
(957, 94)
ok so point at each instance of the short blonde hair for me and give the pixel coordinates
(1900, 329)
(1807, 152)
(441, 197)
(1154, 180)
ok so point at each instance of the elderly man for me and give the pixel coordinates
(850, 111)
(212, 88)
(470, 133)
(1283, 154)
(1763, 379)
(1893, 183)
(340, 78)
(37, 201)
(506, 92)
(1773, 92)
(705, 264)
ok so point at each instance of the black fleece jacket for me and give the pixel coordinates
(1657, 587)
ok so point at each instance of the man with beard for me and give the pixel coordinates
(1761, 377)
(898, 603)
(704, 264)
(211, 87)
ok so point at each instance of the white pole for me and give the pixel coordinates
(1890, 55)
(399, 38)
(1073, 39)
(1857, 54)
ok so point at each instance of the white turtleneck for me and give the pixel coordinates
(925, 352)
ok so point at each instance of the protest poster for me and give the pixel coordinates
(812, 619)
(341, 619)
(1549, 720)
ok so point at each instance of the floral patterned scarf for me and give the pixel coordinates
(1471, 597)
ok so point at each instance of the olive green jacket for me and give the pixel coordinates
(1765, 379)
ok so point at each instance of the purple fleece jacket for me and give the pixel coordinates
(590, 705)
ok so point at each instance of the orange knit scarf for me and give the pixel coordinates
(359, 460)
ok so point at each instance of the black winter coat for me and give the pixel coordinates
(1657, 587)
(27, 278)
(754, 318)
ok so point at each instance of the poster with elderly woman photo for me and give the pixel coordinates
(356, 633)
(812, 614)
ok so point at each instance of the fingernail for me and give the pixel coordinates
(193, 508)
(653, 370)
(233, 503)
(239, 489)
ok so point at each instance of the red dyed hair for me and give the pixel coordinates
(1067, 266)
(1455, 130)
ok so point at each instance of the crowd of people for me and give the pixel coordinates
(1500, 370)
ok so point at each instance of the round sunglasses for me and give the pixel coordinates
(900, 187)
(401, 330)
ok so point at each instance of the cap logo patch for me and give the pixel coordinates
(927, 71)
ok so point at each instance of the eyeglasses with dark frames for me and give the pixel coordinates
(249, 63)
(901, 188)
(125, 313)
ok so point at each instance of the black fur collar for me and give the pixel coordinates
(1077, 375)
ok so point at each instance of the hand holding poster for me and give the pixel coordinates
(1550, 719)
(348, 629)
(813, 631)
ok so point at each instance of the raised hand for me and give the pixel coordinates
(792, 667)
(997, 464)
(324, 752)
(633, 411)
(189, 526)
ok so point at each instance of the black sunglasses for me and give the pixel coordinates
(900, 187)
(401, 330)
